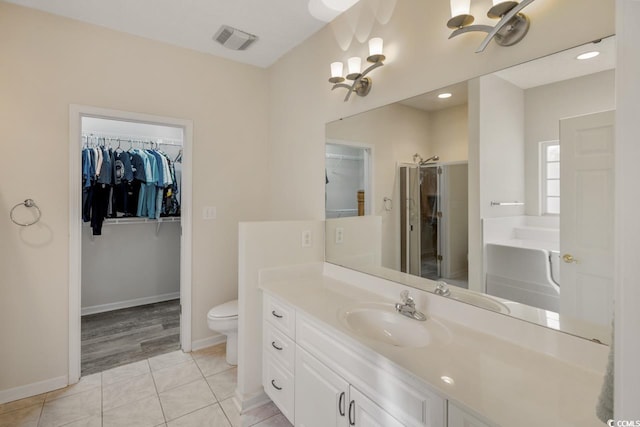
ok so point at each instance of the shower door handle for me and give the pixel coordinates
(568, 258)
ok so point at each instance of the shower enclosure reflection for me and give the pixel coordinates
(434, 221)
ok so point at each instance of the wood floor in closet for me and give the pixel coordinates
(128, 335)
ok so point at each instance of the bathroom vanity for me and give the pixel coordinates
(336, 354)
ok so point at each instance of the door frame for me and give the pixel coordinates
(369, 202)
(76, 112)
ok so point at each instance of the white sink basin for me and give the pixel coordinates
(380, 322)
(478, 300)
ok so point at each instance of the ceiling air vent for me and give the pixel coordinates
(234, 38)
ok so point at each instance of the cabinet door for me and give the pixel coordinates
(363, 412)
(321, 396)
(459, 418)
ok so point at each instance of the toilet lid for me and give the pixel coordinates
(228, 309)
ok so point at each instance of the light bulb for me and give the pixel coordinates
(354, 65)
(461, 7)
(375, 46)
(336, 69)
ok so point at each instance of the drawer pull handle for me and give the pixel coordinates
(275, 386)
(341, 404)
(279, 316)
(352, 413)
(273, 344)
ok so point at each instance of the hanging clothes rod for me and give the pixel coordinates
(507, 203)
(342, 156)
(111, 138)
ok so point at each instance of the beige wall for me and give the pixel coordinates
(449, 134)
(49, 62)
(266, 245)
(627, 255)
(396, 132)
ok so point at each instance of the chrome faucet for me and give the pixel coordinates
(408, 307)
(442, 289)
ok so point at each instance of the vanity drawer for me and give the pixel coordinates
(278, 383)
(279, 346)
(279, 314)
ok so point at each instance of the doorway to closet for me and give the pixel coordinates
(130, 290)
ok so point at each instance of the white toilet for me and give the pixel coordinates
(223, 318)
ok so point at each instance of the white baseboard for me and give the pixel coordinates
(250, 401)
(33, 389)
(208, 342)
(129, 303)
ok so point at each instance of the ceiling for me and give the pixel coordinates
(279, 24)
(546, 70)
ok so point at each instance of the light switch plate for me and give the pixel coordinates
(306, 239)
(209, 212)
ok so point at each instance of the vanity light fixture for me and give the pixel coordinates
(588, 55)
(510, 29)
(361, 85)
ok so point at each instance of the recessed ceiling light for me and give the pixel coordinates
(588, 55)
(444, 95)
(447, 380)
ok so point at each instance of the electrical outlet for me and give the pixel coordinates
(339, 235)
(209, 212)
(306, 239)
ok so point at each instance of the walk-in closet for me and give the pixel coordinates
(131, 228)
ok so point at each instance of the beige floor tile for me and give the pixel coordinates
(23, 417)
(211, 416)
(187, 398)
(275, 421)
(142, 413)
(224, 384)
(258, 414)
(169, 359)
(93, 421)
(125, 372)
(22, 403)
(212, 360)
(65, 410)
(127, 391)
(86, 383)
(231, 411)
(176, 375)
(249, 418)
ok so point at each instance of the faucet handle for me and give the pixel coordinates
(406, 298)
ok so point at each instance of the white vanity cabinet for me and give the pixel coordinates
(278, 354)
(325, 399)
(320, 379)
(457, 417)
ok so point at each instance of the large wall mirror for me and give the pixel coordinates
(497, 192)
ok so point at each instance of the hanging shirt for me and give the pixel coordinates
(106, 171)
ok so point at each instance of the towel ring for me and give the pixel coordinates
(388, 204)
(29, 203)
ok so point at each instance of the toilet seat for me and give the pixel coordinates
(224, 311)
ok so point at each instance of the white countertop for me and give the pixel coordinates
(498, 380)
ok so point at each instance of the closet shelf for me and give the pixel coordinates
(136, 220)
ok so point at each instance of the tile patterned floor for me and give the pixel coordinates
(172, 390)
